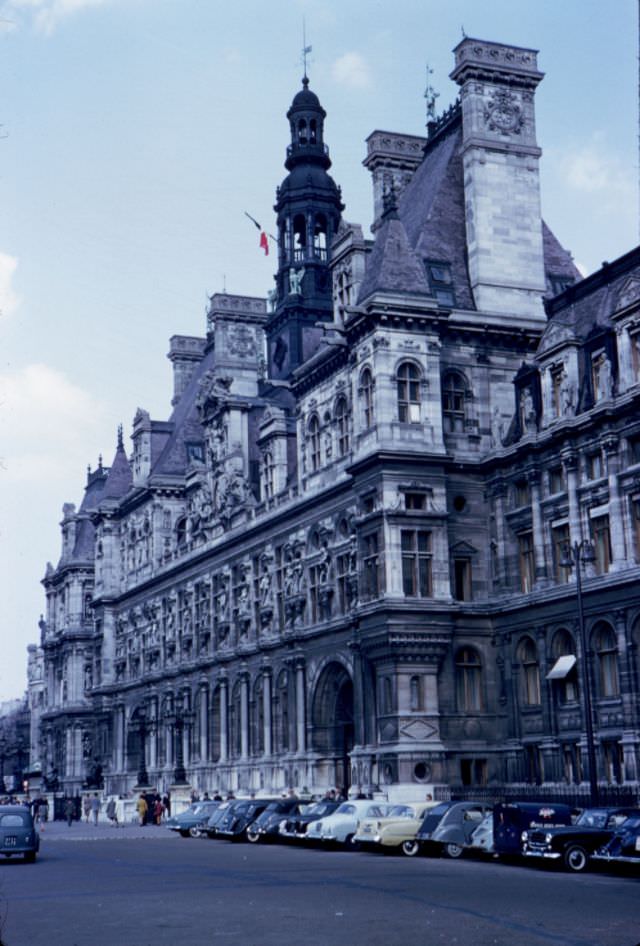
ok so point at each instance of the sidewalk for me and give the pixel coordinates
(103, 831)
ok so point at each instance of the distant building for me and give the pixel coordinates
(341, 560)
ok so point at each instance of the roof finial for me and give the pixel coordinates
(305, 52)
(120, 442)
(430, 95)
(99, 461)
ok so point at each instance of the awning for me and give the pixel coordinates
(562, 667)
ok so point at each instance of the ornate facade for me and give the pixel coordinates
(341, 561)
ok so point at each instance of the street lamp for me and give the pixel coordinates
(178, 718)
(582, 553)
(142, 726)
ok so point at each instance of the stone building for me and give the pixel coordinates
(342, 559)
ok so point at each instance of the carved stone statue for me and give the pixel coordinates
(295, 280)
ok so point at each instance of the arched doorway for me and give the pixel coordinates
(332, 721)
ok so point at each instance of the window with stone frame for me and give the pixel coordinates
(521, 493)
(560, 539)
(572, 763)
(365, 391)
(342, 581)
(473, 772)
(268, 474)
(468, 676)
(342, 419)
(556, 479)
(371, 565)
(415, 694)
(535, 765)
(557, 377)
(613, 761)
(526, 561)
(566, 687)
(634, 344)
(440, 282)
(530, 672)
(594, 468)
(408, 390)
(256, 715)
(415, 501)
(601, 539)
(415, 547)
(454, 392)
(633, 449)
(313, 432)
(635, 519)
(462, 584)
(606, 649)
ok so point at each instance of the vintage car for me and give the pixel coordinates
(216, 817)
(399, 825)
(295, 826)
(481, 840)
(266, 826)
(18, 834)
(192, 822)
(512, 819)
(240, 816)
(624, 846)
(341, 826)
(573, 845)
(447, 828)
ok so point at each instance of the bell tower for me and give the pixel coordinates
(308, 206)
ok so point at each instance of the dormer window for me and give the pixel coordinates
(601, 379)
(195, 452)
(440, 282)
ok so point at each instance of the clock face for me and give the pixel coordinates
(503, 113)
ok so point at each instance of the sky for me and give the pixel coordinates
(134, 134)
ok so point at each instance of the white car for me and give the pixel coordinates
(340, 827)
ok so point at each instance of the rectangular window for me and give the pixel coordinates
(342, 577)
(370, 565)
(560, 539)
(557, 377)
(440, 282)
(634, 449)
(415, 501)
(556, 480)
(572, 763)
(602, 543)
(462, 579)
(416, 563)
(594, 466)
(522, 496)
(473, 772)
(526, 561)
(613, 762)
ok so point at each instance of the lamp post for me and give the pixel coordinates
(143, 728)
(582, 553)
(178, 717)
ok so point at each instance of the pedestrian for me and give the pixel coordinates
(69, 810)
(112, 813)
(142, 807)
(166, 804)
(86, 807)
(95, 807)
(157, 810)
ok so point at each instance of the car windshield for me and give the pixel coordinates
(346, 809)
(593, 818)
(400, 811)
(319, 808)
(12, 821)
(375, 812)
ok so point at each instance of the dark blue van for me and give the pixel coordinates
(510, 820)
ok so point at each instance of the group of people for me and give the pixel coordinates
(153, 807)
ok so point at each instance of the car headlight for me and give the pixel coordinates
(524, 836)
(547, 838)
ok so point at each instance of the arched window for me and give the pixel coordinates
(606, 649)
(366, 397)
(528, 656)
(342, 424)
(320, 236)
(408, 381)
(468, 680)
(312, 131)
(454, 391)
(181, 531)
(563, 645)
(302, 131)
(268, 471)
(299, 237)
(314, 443)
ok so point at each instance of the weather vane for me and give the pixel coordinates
(305, 49)
(430, 95)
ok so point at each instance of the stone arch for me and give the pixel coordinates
(332, 718)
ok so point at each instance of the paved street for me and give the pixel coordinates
(146, 887)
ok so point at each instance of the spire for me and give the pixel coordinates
(120, 444)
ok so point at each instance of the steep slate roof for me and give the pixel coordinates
(393, 266)
(557, 260)
(120, 479)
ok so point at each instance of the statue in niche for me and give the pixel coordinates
(324, 565)
(265, 584)
(567, 395)
(217, 441)
(295, 280)
(497, 427)
(528, 413)
(605, 379)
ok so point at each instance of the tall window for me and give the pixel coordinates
(415, 545)
(342, 424)
(560, 539)
(594, 468)
(566, 686)
(269, 471)
(314, 443)
(602, 543)
(526, 561)
(366, 397)
(557, 377)
(462, 579)
(468, 680)
(556, 480)
(606, 648)
(530, 672)
(370, 565)
(408, 381)
(634, 341)
(613, 760)
(635, 513)
(415, 693)
(453, 398)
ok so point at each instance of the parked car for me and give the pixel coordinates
(341, 826)
(399, 825)
(481, 840)
(624, 846)
(192, 822)
(574, 844)
(510, 820)
(266, 826)
(211, 826)
(18, 834)
(447, 828)
(295, 826)
(240, 816)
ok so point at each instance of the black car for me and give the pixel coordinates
(211, 826)
(624, 846)
(295, 825)
(192, 822)
(266, 825)
(574, 844)
(447, 828)
(239, 816)
(511, 820)
(18, 834)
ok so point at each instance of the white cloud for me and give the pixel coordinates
(9, 300)
(352, 71)
(46, 14)
(592, 169)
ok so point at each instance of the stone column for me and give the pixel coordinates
(244, 715)
(537, 529)
(168, 744)
(204, 723)
(616, 526)
(266, 710)
(301, 729)
(153, 732)
(499, 494)
(358, 695)
(224, 719)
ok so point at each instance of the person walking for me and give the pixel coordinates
(112, 813)
(86, 807)
(95, 807)
(142, 807)
(69, 811)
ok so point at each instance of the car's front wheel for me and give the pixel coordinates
(453, 850)
(576, 858)
(410, 848)
(184, 833)
(195, 832)
(252, 836)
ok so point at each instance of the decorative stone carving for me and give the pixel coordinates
(504, 113)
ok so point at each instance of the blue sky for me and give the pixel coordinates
(137, 132)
